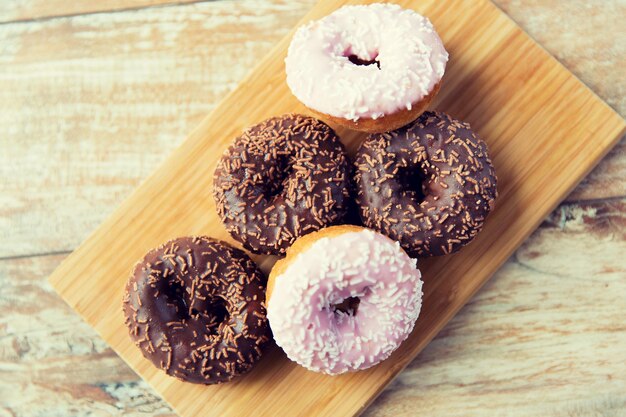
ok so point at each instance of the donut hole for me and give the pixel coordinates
(214, 311)
(413, 183)
(348, 306)
(218, 310)
(354, 59)
(277, 179)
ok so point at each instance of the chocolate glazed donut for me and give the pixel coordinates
(196, 308)
(281, 179)
(430, 184)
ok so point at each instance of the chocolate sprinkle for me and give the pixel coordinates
(281, 179)
(195, 305)
(429, 185)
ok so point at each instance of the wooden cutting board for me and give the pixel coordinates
(545, 131)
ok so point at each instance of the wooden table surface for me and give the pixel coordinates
(94, 95)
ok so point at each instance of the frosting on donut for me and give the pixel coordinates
(282, 178)
(429, 185)
(195, 307)
(363, 264)
(403, 43)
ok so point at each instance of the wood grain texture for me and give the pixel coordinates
(52, 202)
(498, 79)
(547, 321)
(589, 38)
(91, 105)
(20, 10)
(51, 362)
(83, 123)
(549, 326)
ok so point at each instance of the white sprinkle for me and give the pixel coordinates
(361, 264)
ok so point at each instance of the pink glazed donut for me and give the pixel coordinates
(343, 299)
(372, 68)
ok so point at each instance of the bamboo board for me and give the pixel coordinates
(545, 131)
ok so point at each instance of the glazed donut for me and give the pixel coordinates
(343, 299)
(429, 185)
(196, 308)
(281, 179)
(372, 68)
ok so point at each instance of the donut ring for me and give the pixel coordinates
(281, 179)
(343, 299)
(429, 185)
(372, 68)
(196, 308)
